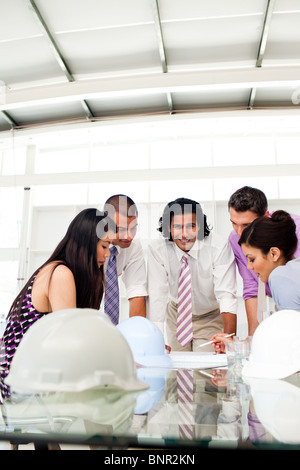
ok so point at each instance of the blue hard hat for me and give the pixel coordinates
(155, 378)
(146, 342)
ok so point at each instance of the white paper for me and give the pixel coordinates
(197, 360)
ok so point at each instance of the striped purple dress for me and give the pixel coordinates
(13, 334)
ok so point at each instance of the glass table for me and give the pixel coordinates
(184, 408)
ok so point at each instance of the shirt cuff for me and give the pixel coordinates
(229, 306)
(136, 291)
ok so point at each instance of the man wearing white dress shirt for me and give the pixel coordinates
(130, 258)
(212, 272)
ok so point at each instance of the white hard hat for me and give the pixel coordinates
(146, 342)
(275, 351)
(73, 350)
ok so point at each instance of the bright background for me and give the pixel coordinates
(48, 175)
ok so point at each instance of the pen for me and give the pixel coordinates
(206, 374)
(210, 342)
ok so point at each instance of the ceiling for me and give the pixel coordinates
(92, 60)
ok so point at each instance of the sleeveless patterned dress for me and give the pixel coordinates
(13, 334)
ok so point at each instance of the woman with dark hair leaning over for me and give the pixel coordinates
(269, 245)
(71, 278)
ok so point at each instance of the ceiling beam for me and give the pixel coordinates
(9, 119)
(161, 47)
(58, 56)
(159, 36)
(184, 82)
(265, 32)
(262, 45)
(57, 53)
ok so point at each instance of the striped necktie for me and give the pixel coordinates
(184, 332)
(185, 397)
(111, 300)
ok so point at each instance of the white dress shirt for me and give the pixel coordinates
(132, 267)
(213, 276)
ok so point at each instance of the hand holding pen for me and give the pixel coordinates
(218, 342)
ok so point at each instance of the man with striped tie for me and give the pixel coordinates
(191, 279)
(126, 260)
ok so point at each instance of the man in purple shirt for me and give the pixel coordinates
(245, 205)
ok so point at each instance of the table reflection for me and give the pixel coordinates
(227, 409)
(214, 405)
(89, 412)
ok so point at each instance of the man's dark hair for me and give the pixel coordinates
(249, 199)
(183, 206)
(120, 203)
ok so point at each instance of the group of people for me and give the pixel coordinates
(188, 285)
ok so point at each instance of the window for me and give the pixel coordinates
(166, 191)
(181, 153)
(288, 149)
(223, 188)
(13, 161)
(59, 194)
(120, 157)
(247, 150)
(11, 206)
(63, 160)
(8, 290)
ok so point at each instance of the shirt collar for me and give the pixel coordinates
(193, 253)
(117, 247)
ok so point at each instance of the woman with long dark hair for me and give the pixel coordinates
(72, 277)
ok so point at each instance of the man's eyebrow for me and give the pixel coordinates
(233, 222)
